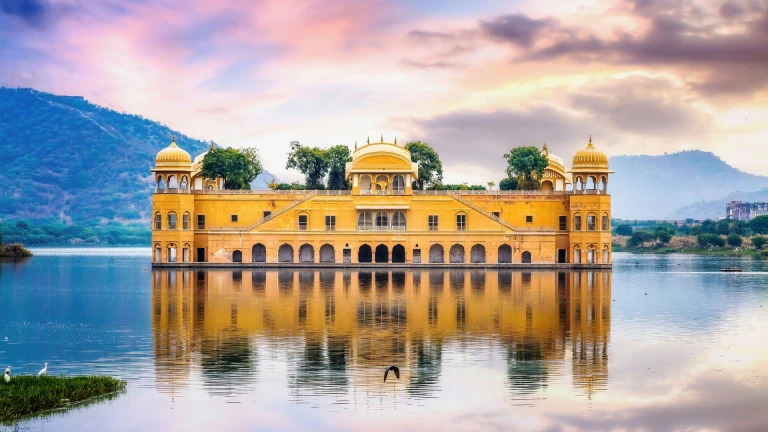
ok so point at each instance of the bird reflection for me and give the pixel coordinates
(337, 330)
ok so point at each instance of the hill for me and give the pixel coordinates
(716, 208)
(68, 160)
(655, 187)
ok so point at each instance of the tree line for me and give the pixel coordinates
(708, 234)
(326, 168)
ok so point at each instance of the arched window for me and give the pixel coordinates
(605, 223)
(382, 185)
(591, 222)
(398, 184)
(184, 183)
(160, 184)
(365, 185)
(577, 222)
(606, 254)
(171, 252)
(578, 184)
(171, 220)
(591, 183)
(526, 258)
(173, 184)
(577, 254)
(365, 221)
(185, 253)
(461, 221)
(158, 221)
(591, 254)
(158, 253)
(382, 221)
(237, 256)
(398, 221)
(185, 221)
(547, 186)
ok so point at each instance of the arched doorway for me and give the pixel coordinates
(526, 257)
(259, 253)
(457, 254)
(477, 254)
(306, 253)
(364, 254)
(285, 253)
(398, 254)
(382, 254)
(436, 254)
(237, 256)
(505, 254)
(327, 254)
(547, 186)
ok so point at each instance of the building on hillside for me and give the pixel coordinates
(382, 220)
(744, 211)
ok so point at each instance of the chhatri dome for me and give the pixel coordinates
(381, 157)
(173, 156)
(556, 163)
(589, 159)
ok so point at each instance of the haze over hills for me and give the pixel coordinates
(658, 187)
(68, 160)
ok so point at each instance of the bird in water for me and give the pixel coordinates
(394, 369)
(7, 375)
(43, 371)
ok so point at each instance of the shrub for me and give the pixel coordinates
(640, 237)
(706, 240)
(663, 236)
(624, 229)
(759, 241)
(735, 240)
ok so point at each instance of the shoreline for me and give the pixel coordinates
(374, 266)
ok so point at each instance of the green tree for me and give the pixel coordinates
(430, 167)
(238, 168)
(759, 225)
(663, 236)
(759, 242)
(735, 240)
(624, 230)
(708, 239)
(640, 237)
(508, 184)
(526, 164)
(337, 157)
(310, 161)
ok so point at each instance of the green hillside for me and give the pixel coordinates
(67, 160)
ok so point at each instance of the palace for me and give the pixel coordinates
(382, 220)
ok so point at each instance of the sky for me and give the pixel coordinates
(472, 78)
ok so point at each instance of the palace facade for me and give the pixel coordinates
(382, 220)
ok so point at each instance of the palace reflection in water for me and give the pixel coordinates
(336, 331)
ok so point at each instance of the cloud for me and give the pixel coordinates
(35, 13)
(517, 29)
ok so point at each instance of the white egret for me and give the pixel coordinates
(43, 370)
(7, 375)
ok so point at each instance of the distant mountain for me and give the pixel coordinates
(262, 180)
(655, 187)
(716, 208)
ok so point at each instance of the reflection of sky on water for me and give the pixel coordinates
(288, 350)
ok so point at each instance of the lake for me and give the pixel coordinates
(661, 342)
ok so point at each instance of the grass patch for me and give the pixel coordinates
(27, 394)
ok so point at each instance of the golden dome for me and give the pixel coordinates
(589, 159)
(173, 156)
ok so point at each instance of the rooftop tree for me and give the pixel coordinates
(337, 157)
(310, 161)
(527, 164)
(430, 167)
(238, 168)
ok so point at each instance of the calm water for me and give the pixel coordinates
(660, 343)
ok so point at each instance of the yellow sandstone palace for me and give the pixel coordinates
(382, 220)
